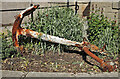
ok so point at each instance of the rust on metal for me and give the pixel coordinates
(16, 30)
(85, 46)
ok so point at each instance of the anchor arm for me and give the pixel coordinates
(85, 46)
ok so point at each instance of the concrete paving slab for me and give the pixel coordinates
(7, 73)
(119, 75)
(0, 74)
(49, 74)
(105, 74)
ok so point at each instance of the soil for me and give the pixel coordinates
(70, 61)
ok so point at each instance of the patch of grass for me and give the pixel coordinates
(61, 22)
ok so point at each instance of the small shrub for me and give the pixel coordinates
(103, 31)
(7, 45)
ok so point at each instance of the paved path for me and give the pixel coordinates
(7, 73)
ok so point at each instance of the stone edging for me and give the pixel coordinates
(7, 73)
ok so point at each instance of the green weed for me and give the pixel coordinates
(60, 22)
(103, 31)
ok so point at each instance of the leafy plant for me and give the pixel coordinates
(7, 45)
(60, 22)
(103, 31)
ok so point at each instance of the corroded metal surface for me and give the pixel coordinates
(85, 46)
(49, 38)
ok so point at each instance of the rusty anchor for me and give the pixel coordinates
(84, 46)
